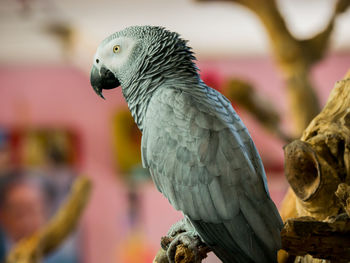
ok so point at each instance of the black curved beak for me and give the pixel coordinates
(102, 79)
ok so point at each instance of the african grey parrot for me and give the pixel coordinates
(198, 151)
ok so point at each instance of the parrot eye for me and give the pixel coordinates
(116, 49)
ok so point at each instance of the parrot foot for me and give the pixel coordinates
(184, 225)
(183, 244)
(189, 239)
(183, 233)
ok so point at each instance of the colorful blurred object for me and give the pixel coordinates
(37, 168)
(127, 142)
(37, 147)
(30, 148)
(213, 79)
(135, 249)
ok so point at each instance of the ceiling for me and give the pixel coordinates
(213, 29)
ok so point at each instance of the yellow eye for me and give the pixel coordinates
(116, 49)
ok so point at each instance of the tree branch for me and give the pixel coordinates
(294, 56)
(243, 94)
(51, 236)
(324, 240)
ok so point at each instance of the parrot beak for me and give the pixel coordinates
(102, 79)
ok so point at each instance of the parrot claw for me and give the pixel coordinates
(184, 233)
(179, 227)
(190, 239)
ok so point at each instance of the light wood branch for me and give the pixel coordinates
(294, 56)
(244, 95)
(52, 235)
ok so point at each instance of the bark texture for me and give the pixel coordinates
(324, 240)
(317, 168)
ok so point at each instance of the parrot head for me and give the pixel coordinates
(114, 57)
(139, 52)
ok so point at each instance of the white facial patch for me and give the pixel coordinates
(114, 61)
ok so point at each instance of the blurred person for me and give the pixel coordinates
(25, 208)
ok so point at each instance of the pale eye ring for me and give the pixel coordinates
(116, 48)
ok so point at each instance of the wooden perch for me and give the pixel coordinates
(317, 163)
(51, 236)
(317, 166)
(324, 240)
(325, 134)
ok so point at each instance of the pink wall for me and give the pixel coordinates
(57, 95)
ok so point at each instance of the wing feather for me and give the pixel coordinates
(202, 212)
(218, 199)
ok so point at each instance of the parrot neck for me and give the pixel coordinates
(171, 65)
(139, 92)
(138, 95)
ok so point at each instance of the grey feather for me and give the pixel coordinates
(218, 199)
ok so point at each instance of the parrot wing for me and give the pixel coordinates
(201, 157)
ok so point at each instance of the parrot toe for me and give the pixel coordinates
(179, 227)
(189, 239)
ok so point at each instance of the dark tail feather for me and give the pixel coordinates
(220, 237)
(220, 241)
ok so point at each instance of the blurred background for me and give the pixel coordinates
(53, 127)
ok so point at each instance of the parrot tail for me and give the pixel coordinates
(219, 238)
